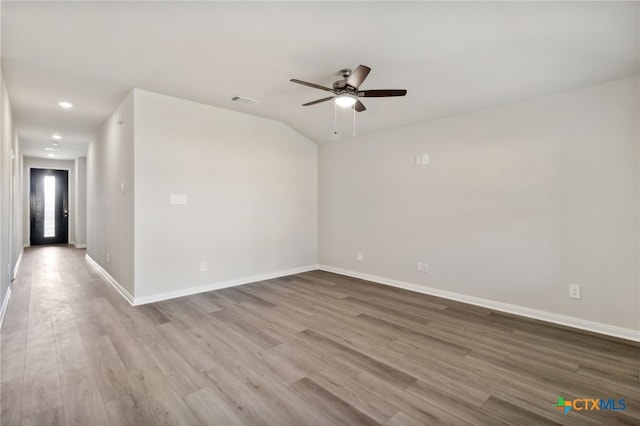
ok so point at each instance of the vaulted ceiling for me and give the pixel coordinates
(452, 57)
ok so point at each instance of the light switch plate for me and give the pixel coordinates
(178, 199)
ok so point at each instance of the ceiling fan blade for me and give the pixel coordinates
(318, 101)
(359, 106)
(315, 86)
(380, 93)
(358, 75)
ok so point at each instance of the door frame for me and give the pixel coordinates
(72, 216)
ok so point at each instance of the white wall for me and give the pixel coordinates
(10, 195)
(5, 190)
(109, 210)
(516, 203)
(17, 217)
(251, 186)
(45, 163)
(80, 239)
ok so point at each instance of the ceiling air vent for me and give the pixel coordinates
(244, 101)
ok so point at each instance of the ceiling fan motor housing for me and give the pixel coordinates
(341, 86)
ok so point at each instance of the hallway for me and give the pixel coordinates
(313, 348)
(45, 361)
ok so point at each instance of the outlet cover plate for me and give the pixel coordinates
(574, 291)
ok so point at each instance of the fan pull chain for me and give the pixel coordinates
(335, 118)
(354, 120)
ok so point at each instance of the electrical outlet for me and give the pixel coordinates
(419, 267)
(574, 291)
(359, 256)
(203, 266)
(425, 267)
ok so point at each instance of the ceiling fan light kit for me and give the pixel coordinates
(345, 101)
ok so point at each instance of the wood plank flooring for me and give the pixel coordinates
(308, 349)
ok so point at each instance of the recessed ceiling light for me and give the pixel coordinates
(57, 137)
(64, 104)
(52, 155)
(54, 143)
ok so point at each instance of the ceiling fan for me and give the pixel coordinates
(346, 93)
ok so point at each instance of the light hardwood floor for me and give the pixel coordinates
(309, 349)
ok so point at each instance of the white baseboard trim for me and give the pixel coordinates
(78, 245)
(111, 280)
(596, 327)
(17, 267)
(5, 303)
(136, 301)
(220, 285)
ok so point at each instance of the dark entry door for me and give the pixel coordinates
(49, 206)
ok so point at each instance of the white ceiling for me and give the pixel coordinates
(452, 57)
